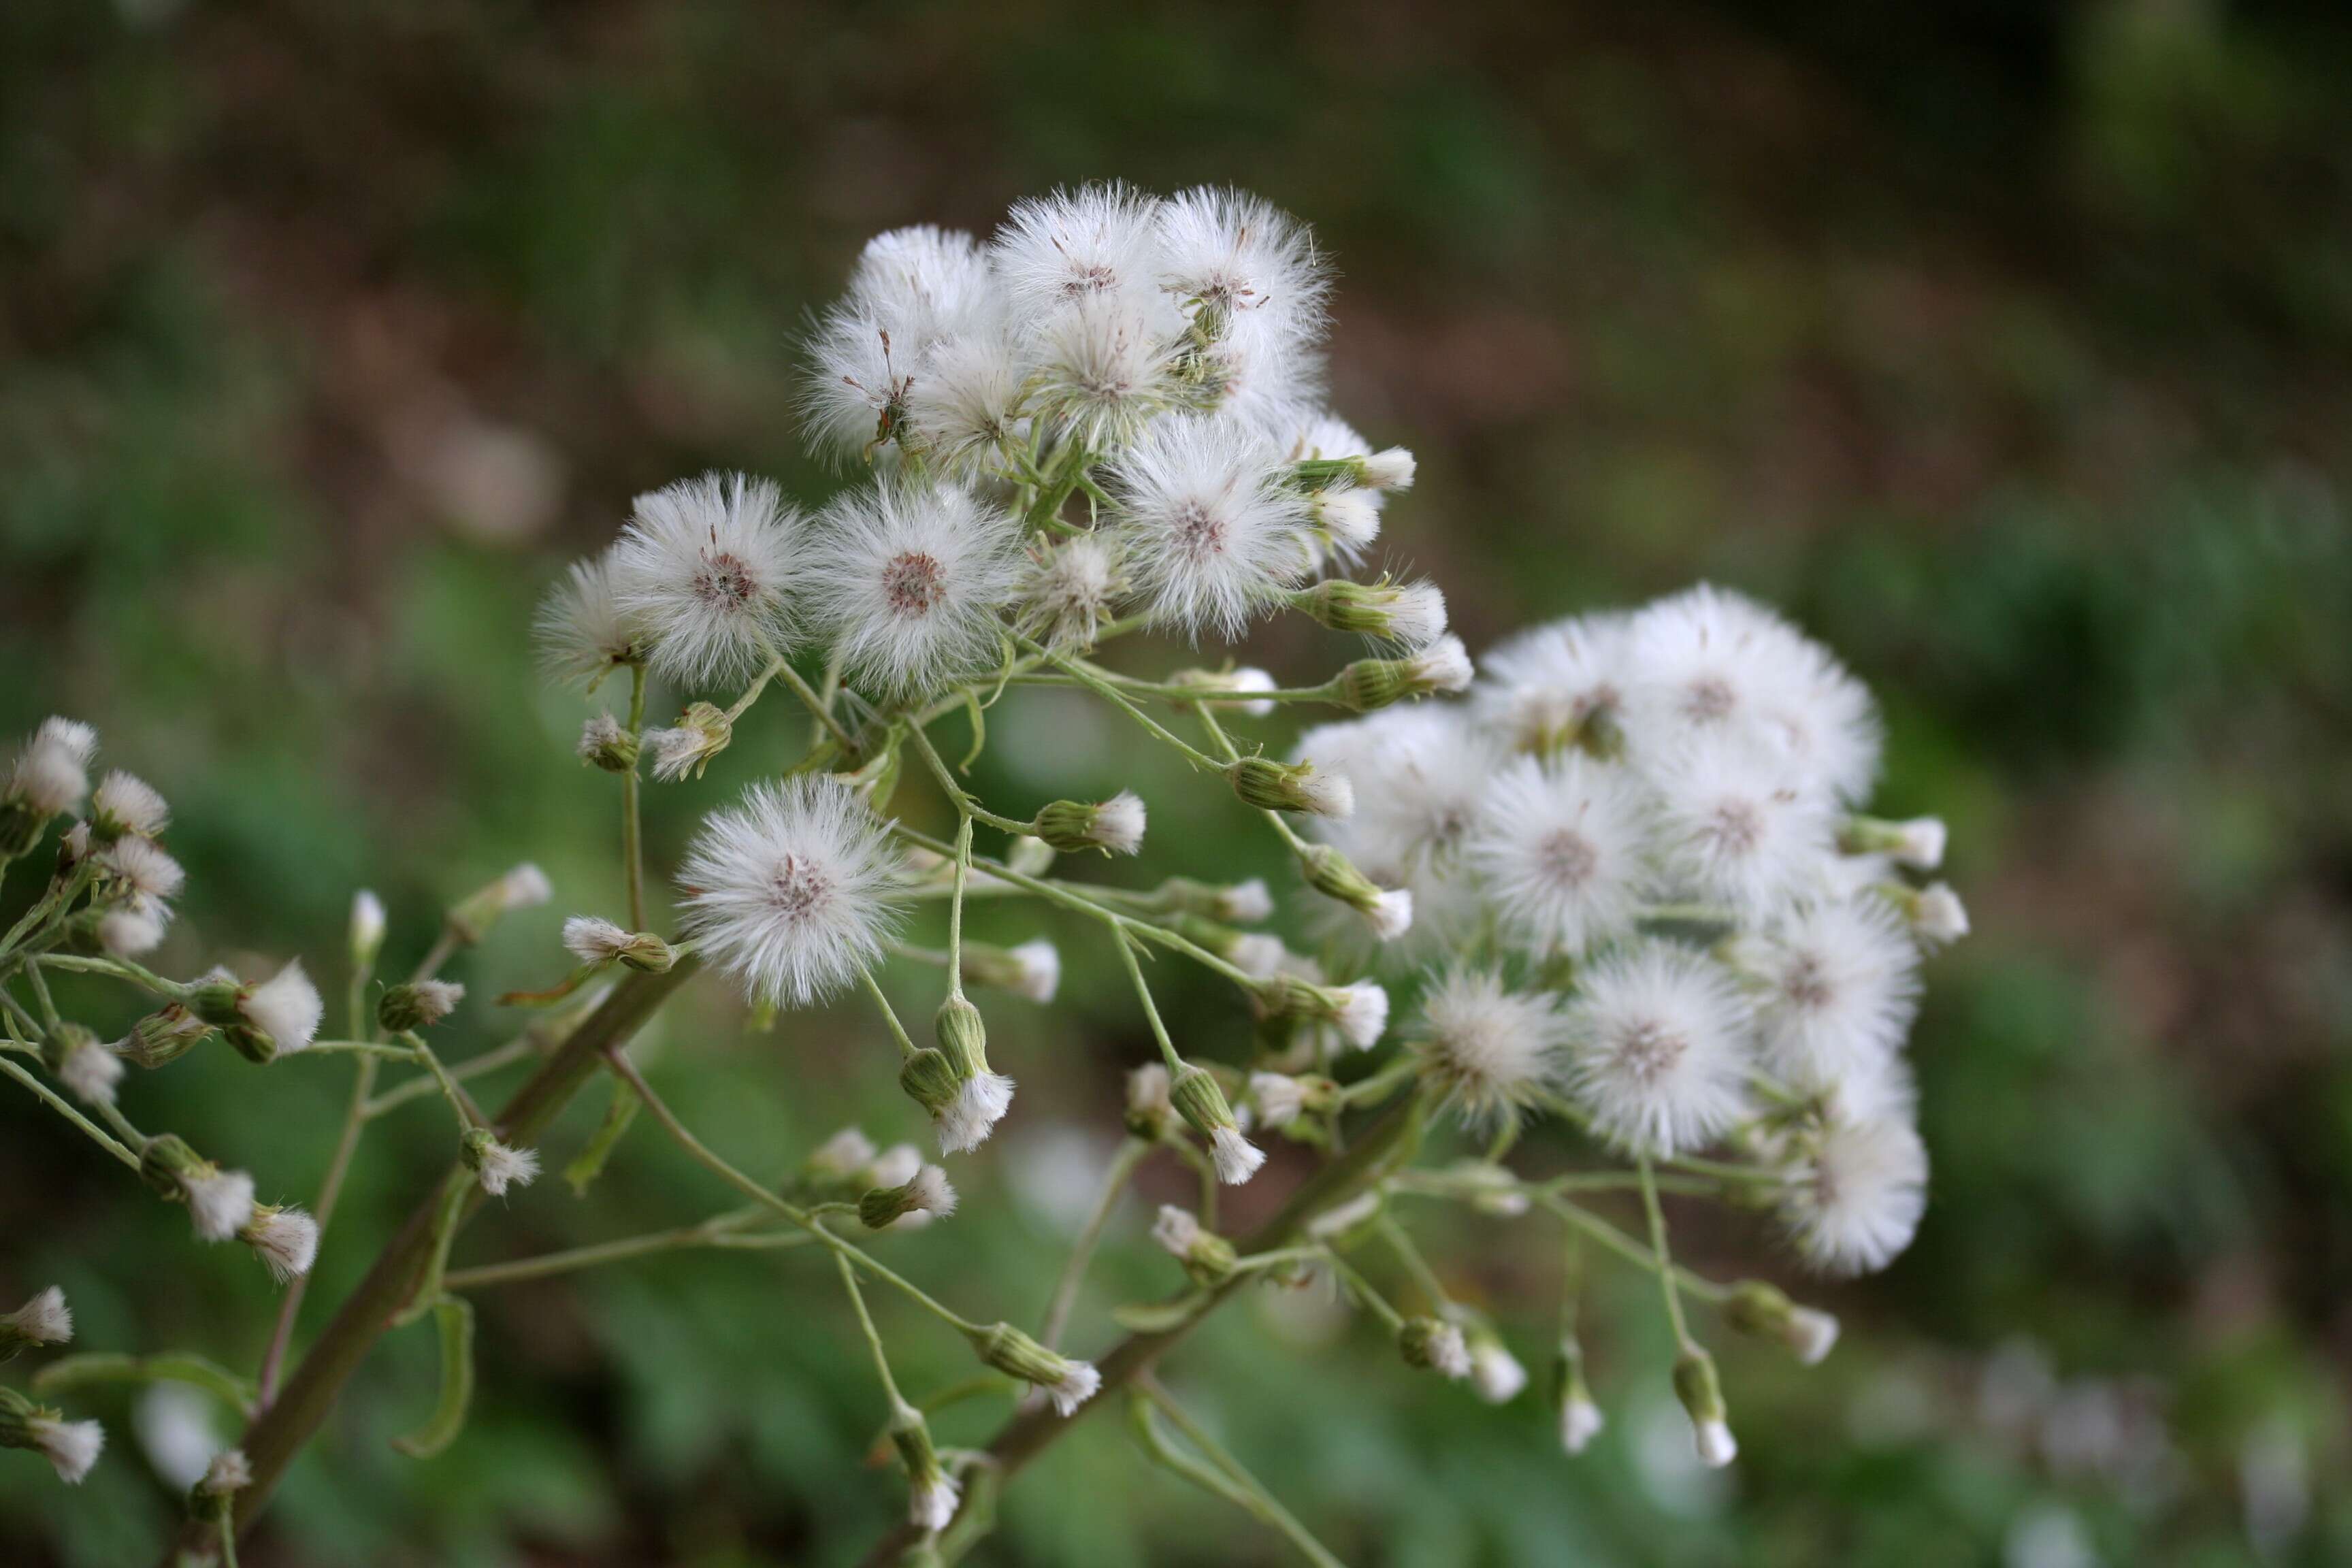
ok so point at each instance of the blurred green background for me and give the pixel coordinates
(2009, 345)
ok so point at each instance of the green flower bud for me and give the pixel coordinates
(1269, 785)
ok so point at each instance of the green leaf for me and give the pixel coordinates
(455, 1319)
(1157, 1317)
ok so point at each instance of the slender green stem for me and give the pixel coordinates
(712, 1162)
(1151, 1009)
(966, 805)
(719, 1233)
(1254, 1495)
(518, 1049)
(873, 1335)
(1085, 677)
(57, 1103)
(890, 1016)
(119, 969)
(1131, 1154)
(1441, 1302)
(632, 857)
(373, 1048)
(1665, 1262)
(1364, 1291)
(1631, 1250)
(469, 1115)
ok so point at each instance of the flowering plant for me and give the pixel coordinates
(1623, 884)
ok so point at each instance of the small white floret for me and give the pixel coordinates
(1040, 969)
(45, 1319)
(286, 1007)
(220, 1202)
(979, 1103)
(1236, 1158)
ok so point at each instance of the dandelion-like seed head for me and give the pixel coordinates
(912, 577)
(1490, 1049)
(1213, 538)
(705, 569)
(1855, 1192)
(792, 891)
(1657, 1053)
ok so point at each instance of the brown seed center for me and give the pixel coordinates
(914, 582)
(1568, 857)
(798, 888)
(724, 583)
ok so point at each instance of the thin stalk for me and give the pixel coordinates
(632, 857)
(393, 1098)
(57, 1103)
(1151, 1009)
(1257, 1498)
(1131, 1154)
(710, 1234)
(889, 1015)
(1666, 1263)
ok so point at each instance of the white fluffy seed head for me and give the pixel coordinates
(931, 1193)
(1103, 370)
(1391, 469)
(1213, 538)
(912, 577)
(524, 887)
(229, 1473)
(1717, 1446)
(791, 891)
(979, 1103)
(893, 1167)
(499, 1167)
(1245, 903)
(1855, 1192)
(1449, 1354)
(1559, 846)
(705, 571)
(1259, 956)
(1175, 1230)
(72, 1448)
(1228, 255)
(144, 867)
(1079, 1383)
(45, 1319)
(287, 1239)
(1938, 917)
(1119, 823)
(1390, 914)
(91, 1072)
(135, 927)
(1071, 588)
(1040, 969)
(220, 1202)
(1581, 1421)
(960, 402)
(1919, 843)
(1839, 983)
(583, 632)
(931, 1502)
(52, 773)
(1735, 829)
(1346, 522)
(287, 1007)
(1236, 1158)
(1558, 685)
(1657, 1054)
(1444, 666)
(1361, 1011)
(1811, 1334)
(594, 941)
(127, 804)
(1495, 1372)
(1279, 1098)
(1491, 1050)
(1417, 619)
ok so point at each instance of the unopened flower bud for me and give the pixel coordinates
(1113, 826)
(163, 1037)
(1763, 1310)
(702, 731)
(981, 1097)
(929, 1194)
(524, 887)
(84, 1065)
(932, 1493)
(1434, 1346)
(497, 1166)
(228, 1474)
(1918, 843)
(1580, 1420)
(1702, 1395)
(1495, 1372)
(276, 1017)
(1412, 614)
(367, 926)
(125, 805)
(72, 1448)
(417, 1004)
(1233, 687)
(51, 776)
(286, 1240)
(1208, 1258)
(1373, 683)
(45, 1319)
(220, 1202)
(1195, 1093)
(1151, 1114)
(604, 743)
(1033, 969)
(1388, 910)
(1069, 1384)
(1269, 785)
(594, 941)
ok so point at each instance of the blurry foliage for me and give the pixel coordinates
(2006, 345)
